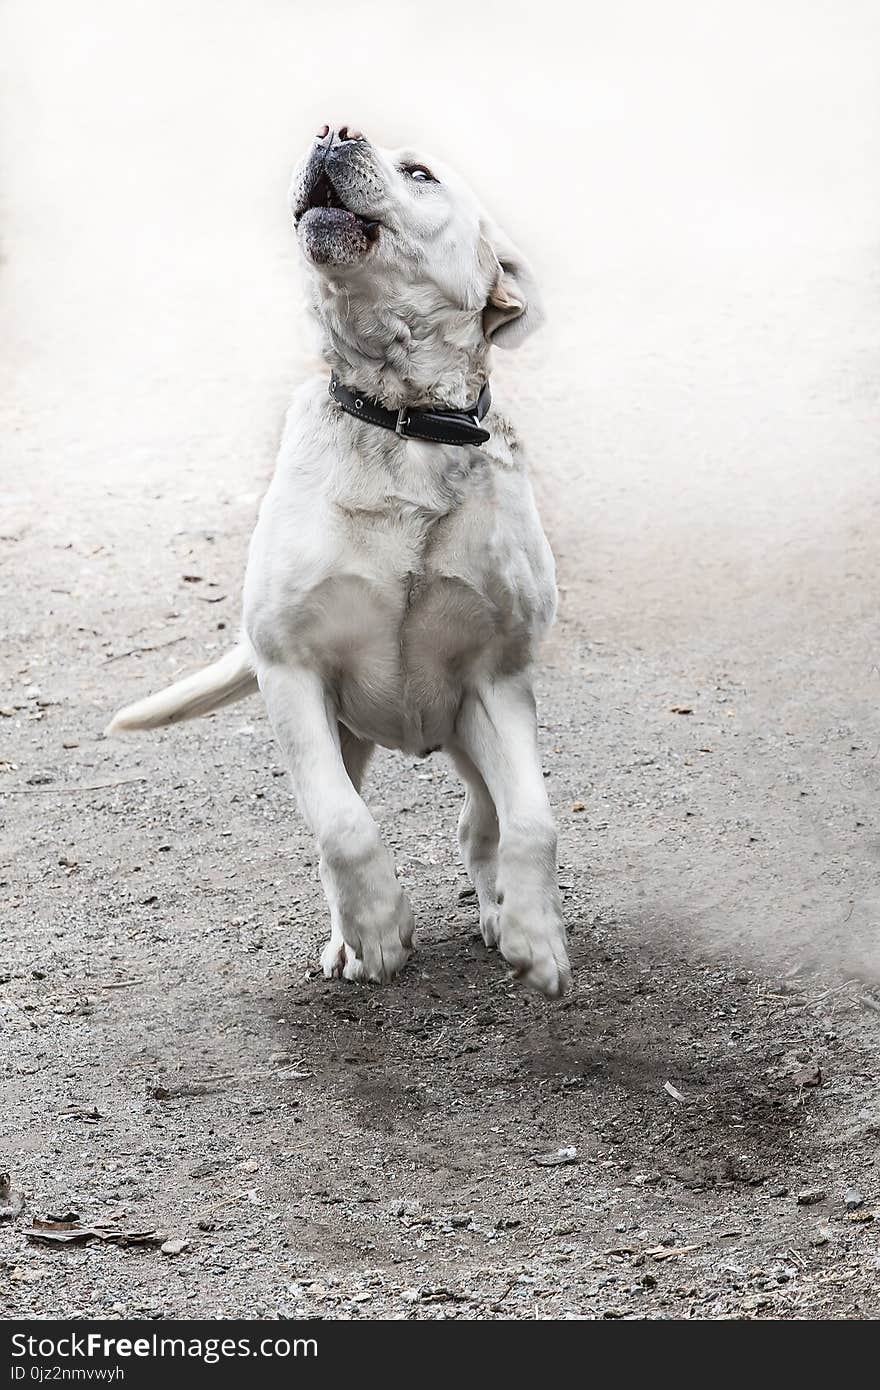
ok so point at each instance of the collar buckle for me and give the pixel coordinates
(402, 421)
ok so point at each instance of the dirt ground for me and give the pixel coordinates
(703, 411)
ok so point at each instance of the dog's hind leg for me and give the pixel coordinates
(336, 955)
(478, 840)
(367, 904)
(497, 728)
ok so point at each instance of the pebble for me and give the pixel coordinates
(808, 1196)
(852, 1199)
(174, 1247)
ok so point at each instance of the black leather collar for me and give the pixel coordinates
(439, 426)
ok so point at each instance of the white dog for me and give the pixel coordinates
(399, 581)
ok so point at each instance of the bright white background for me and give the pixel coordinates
(697, 183)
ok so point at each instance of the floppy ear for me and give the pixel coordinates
(513, 306)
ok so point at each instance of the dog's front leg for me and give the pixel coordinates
(497, 729)
(367, 906)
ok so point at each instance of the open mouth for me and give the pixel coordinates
(323, 195)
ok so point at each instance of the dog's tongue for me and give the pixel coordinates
(331, 216)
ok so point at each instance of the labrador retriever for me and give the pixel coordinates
(399, 581)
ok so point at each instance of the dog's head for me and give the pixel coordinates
(405, 242)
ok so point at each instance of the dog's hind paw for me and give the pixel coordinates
(490, 926)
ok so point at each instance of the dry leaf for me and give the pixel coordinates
(68, 1232)
(71, 1233)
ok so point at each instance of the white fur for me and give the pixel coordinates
(397, 591)
(224, 682)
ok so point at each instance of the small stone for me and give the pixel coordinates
(557, 1159)
(778, 1192)
(809, 1196)
(174, 1247)
(808, 1076)
(852, 1199)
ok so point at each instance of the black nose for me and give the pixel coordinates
(344, 135)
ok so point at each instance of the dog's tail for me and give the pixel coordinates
(227, 680)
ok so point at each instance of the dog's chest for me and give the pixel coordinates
(412, 604)
(398, 586)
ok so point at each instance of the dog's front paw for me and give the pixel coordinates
(339, 961)
(535, 948)
(374, 943)
(373, 921)
(384, 945)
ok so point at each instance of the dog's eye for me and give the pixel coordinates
(418, 173)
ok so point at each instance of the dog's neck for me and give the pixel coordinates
(408, 351)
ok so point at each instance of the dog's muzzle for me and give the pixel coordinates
(332, 179)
